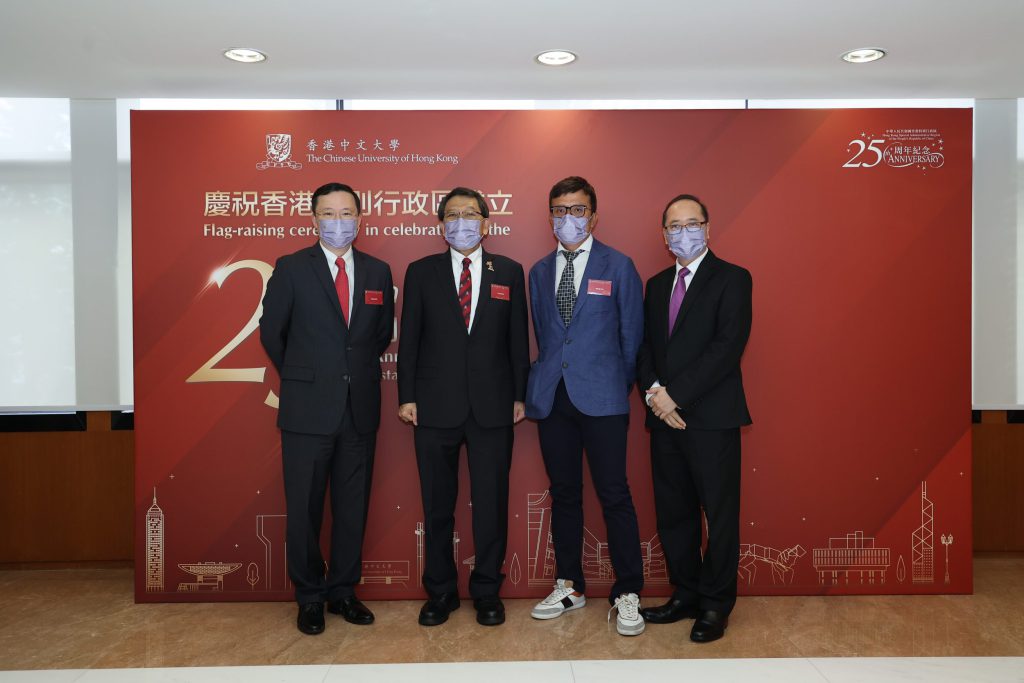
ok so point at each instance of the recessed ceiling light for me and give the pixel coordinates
(245, 54)
(556, 57)
(863, 55)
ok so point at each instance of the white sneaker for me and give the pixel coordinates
(628, 622)
(563, 599)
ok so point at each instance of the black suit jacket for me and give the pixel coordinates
(321, 360)
(699, 360)
(447, 372)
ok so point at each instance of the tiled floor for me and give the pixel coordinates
(87, 619)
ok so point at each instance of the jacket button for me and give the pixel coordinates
(568, 341)
(565, 365)
(348, 348)
(345, 377)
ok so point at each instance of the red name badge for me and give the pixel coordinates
(499, 292)
(374, 298)
(599, 287)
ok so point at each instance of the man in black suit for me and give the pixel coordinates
(698, 316)
(463, 358)
(327, 316)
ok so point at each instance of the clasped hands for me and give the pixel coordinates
(664, 407)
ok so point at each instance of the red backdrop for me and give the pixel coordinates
(856, 226)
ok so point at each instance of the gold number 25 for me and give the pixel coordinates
(207, 372)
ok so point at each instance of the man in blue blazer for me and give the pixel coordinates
(587, 304)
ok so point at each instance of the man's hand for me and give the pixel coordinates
(407, 413)
(673, 420)
(518, 411)
(664, 407)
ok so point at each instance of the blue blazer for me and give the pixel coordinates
(596, 353)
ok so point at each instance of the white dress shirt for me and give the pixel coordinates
(579, 264)
(350, 271)
(474, 273)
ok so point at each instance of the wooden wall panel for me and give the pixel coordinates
(998, 504)
(67, 496)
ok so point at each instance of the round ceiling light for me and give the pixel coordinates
(556, 57)
(246, 55)
(863, 55)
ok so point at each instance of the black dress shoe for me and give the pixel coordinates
(710, 625)
(351, 609)
(672, 611)
(489, 611)
(435, 611)
(311, 618)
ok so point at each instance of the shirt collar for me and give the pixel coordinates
(474, 257)
(693, 265)
(588, 246)
(346, 257)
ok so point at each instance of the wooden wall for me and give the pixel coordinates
(66, 497)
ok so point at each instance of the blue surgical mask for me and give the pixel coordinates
(571, 229)
(687, 245)
(462, 233)
(338, 233)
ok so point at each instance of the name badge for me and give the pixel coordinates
(372, 298)
(499, 292)
(599, 287)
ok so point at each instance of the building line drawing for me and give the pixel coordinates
(388, 572)
(270, 531)
(252, 575)
(847, 556)
(209, 576)
(597, 565)
(947, 541)
(421, 534)
(781, 562)
(901, 570)
(923, 542)
(154, 547)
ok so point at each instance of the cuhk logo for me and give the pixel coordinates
(279, 152)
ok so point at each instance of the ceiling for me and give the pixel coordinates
(390, 49)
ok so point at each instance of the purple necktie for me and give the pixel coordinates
(677, 298)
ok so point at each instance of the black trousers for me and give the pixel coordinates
(489, 452)
(311, 461)
(691, 470)
(564, 436)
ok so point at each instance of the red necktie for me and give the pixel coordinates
(466, 291)
(341, 284)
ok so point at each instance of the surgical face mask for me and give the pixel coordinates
(462, 233)
(571, 229)
(338, 232)
(687, 245)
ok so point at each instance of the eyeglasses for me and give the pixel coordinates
(676, 228)
(331, 215)
(468, 214)
(578, 210)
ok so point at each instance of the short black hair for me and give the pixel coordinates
(334, 187)
(463, 192)
(684, 197)
(574, 183)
